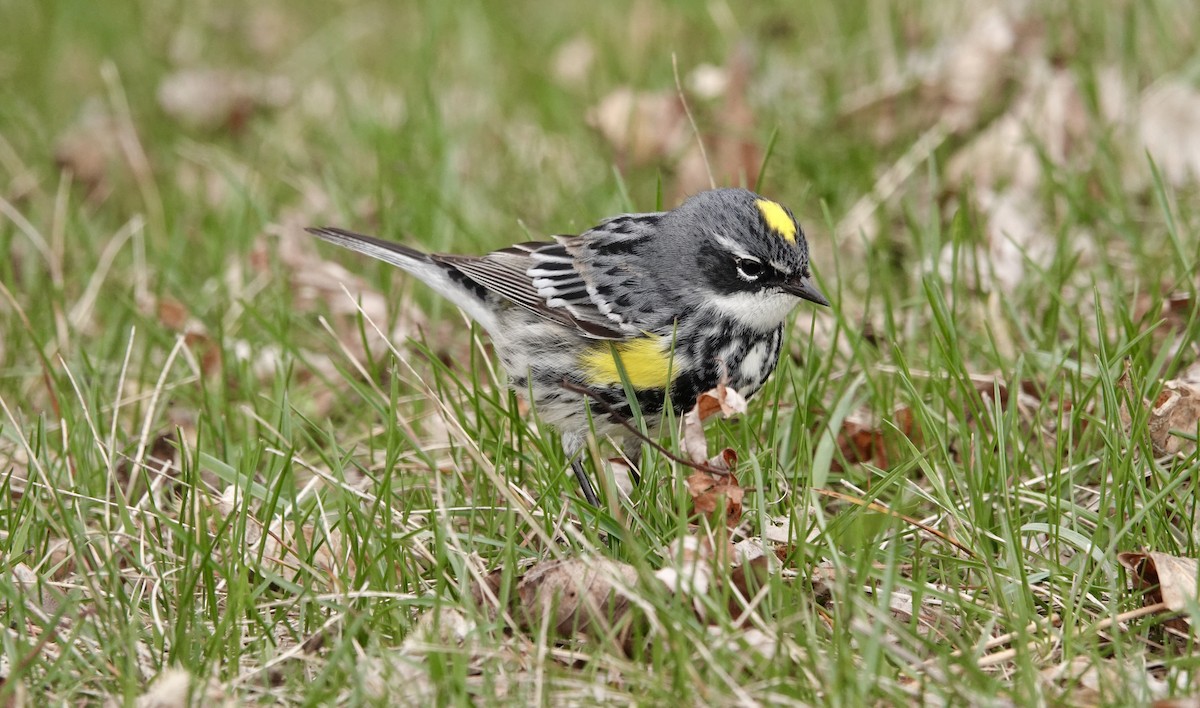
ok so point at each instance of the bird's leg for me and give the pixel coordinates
(585, 484)
(573, 446)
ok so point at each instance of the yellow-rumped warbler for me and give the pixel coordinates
(685, 299)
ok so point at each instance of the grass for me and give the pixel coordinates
(216, 459)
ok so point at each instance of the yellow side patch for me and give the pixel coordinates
(647, 363)
(777, 219)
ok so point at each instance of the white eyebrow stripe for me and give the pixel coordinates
(733, 247)
(779, 267)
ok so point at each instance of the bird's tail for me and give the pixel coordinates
(444, 278)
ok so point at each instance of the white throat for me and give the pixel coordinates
(763, 312)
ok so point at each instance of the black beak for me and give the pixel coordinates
(804, 287)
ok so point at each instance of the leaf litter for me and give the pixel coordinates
(998, 167)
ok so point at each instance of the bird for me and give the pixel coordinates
(671, 303)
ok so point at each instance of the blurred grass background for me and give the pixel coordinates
(168, 335)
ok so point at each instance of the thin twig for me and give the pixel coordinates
(875, 506)
(621, 420)
(688, 112)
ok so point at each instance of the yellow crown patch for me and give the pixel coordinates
(777, 219)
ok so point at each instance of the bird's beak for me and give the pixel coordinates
(803, 286)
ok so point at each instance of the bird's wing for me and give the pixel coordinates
(506, 273)
(603, 276)
(598, 282)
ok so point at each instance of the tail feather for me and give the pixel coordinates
(443, 278)
(386, 251)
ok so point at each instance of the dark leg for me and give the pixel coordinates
(585, 484)
(573, 446)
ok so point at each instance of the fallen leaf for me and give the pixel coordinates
(485, 593)
(1173, 418)
(641, 126)
(1175, 414)
(691, 567)
(1089, 681)
(708, 81)
(577, 596)
(36, 591)
(713, 493)
(172, 689)
(90, 150)
(1169, 129)
(210, 99)
(1166, 578)
(176, 688)
(175, 316)
(573, 60)
(748, 579)
(731, 146)
(723, 400)
(862, 437)
(973, 69)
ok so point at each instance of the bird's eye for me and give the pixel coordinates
(750, 269)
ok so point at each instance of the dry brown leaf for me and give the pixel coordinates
(717, 492)
(160, 460)
(211, 99)
(90, 150)
(748, 579)
(36, 591)
(1169, 129)
(486, 593)
(956, 85)
(734, 156)
(1173, 308)
(1175, 411)
(1168, 579)
(1174, 415)
(974, 68)
(1048, 120)
(642, 127)
(1088, 681)
(175, 316)
(176, 688)
(573, 60)
(692, 564)
(713, 488)
(578, 596)
(862, 437)
(723, 400)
